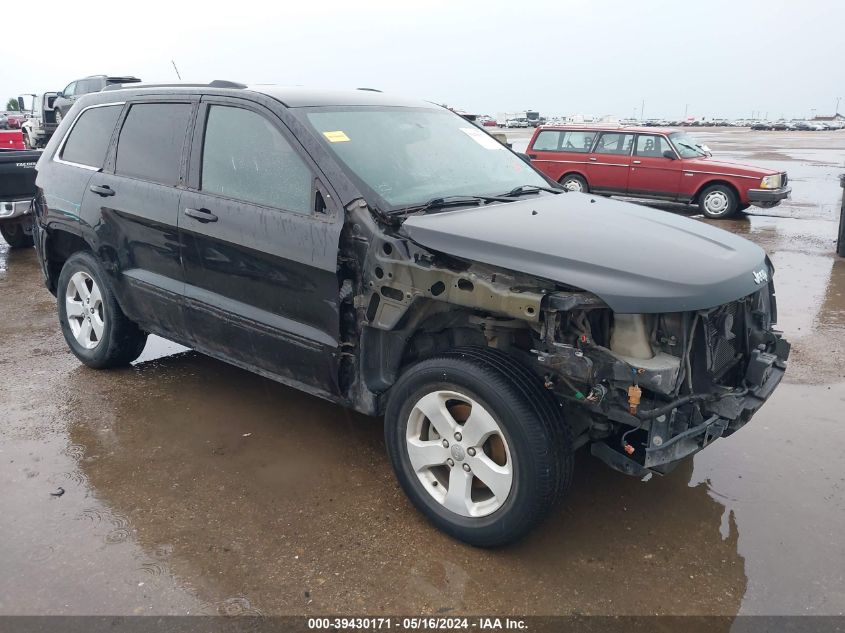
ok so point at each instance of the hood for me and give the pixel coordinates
(739, 169)
(637, 260)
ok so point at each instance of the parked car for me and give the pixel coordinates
(75, 89)
(652, 163)
(17, 189)
(761, 125)
(388, 256)
(41, 123)
(15, 121)
(4, 122)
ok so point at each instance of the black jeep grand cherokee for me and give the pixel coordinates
(390, 256)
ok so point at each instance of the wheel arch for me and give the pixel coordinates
(717, 181)
(59, 245)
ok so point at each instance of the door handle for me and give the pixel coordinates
(636, 162)
(593, 158)
(102, 190)
(203, 215)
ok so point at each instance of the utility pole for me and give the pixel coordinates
(642, 111)
(686, 111)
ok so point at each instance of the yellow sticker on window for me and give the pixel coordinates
(336, 137)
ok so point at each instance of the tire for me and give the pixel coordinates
(58, 116)
(527, 456)
(84, 297)
(718, 202)
(574, 182)
(15, 236)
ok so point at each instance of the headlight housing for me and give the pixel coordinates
(771, 182)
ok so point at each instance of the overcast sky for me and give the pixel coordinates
(721, 57)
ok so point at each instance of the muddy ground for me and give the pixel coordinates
(195, 487)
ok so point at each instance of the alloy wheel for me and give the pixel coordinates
(85, 310)
(459, 453)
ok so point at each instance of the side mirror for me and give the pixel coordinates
(668, 153)
(21, 104)
(60, 94)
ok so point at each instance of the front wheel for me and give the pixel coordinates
(574, 182)
(58, 116)
(94, 326)
(16, 236)
(478, 445)
(718, 202)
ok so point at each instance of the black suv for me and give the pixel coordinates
(389, 256)
(75, 89)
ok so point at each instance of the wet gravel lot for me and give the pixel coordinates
(195, 487)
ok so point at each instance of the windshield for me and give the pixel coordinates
(407, 156)
(686, 145)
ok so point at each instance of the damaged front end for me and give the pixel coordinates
(646, 390)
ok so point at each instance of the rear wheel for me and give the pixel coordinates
(718, 202)
(95, 328)
(574, 182)
(477, 444)
(15, 235)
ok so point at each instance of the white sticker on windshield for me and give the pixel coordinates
(482, 138)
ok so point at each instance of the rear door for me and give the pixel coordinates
(560, 152)
(260, 234)
(137, 200)
(610, 162)
(653, 174)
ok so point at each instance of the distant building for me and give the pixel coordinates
(835, 117)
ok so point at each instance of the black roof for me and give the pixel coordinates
(292, 97)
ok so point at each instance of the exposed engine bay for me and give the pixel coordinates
(643, 389)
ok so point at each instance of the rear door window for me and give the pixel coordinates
(245, 157)
(151, 142)
(88, 140)
(614, 143)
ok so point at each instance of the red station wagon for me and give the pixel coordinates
(655, 163)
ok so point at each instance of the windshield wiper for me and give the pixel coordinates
(449, 201)
(694, 148)
(518, 191)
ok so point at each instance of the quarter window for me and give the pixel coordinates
(151, 141)
(614, 143)
(652, 146)
(547, 141)
(85, 86)
(247, 158)
(578, 141)
(88, 140)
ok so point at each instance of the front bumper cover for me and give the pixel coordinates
(768, 197)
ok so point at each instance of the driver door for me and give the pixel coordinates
(652, 173)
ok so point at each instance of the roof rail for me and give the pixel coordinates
(217, 83)
(369, 89)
